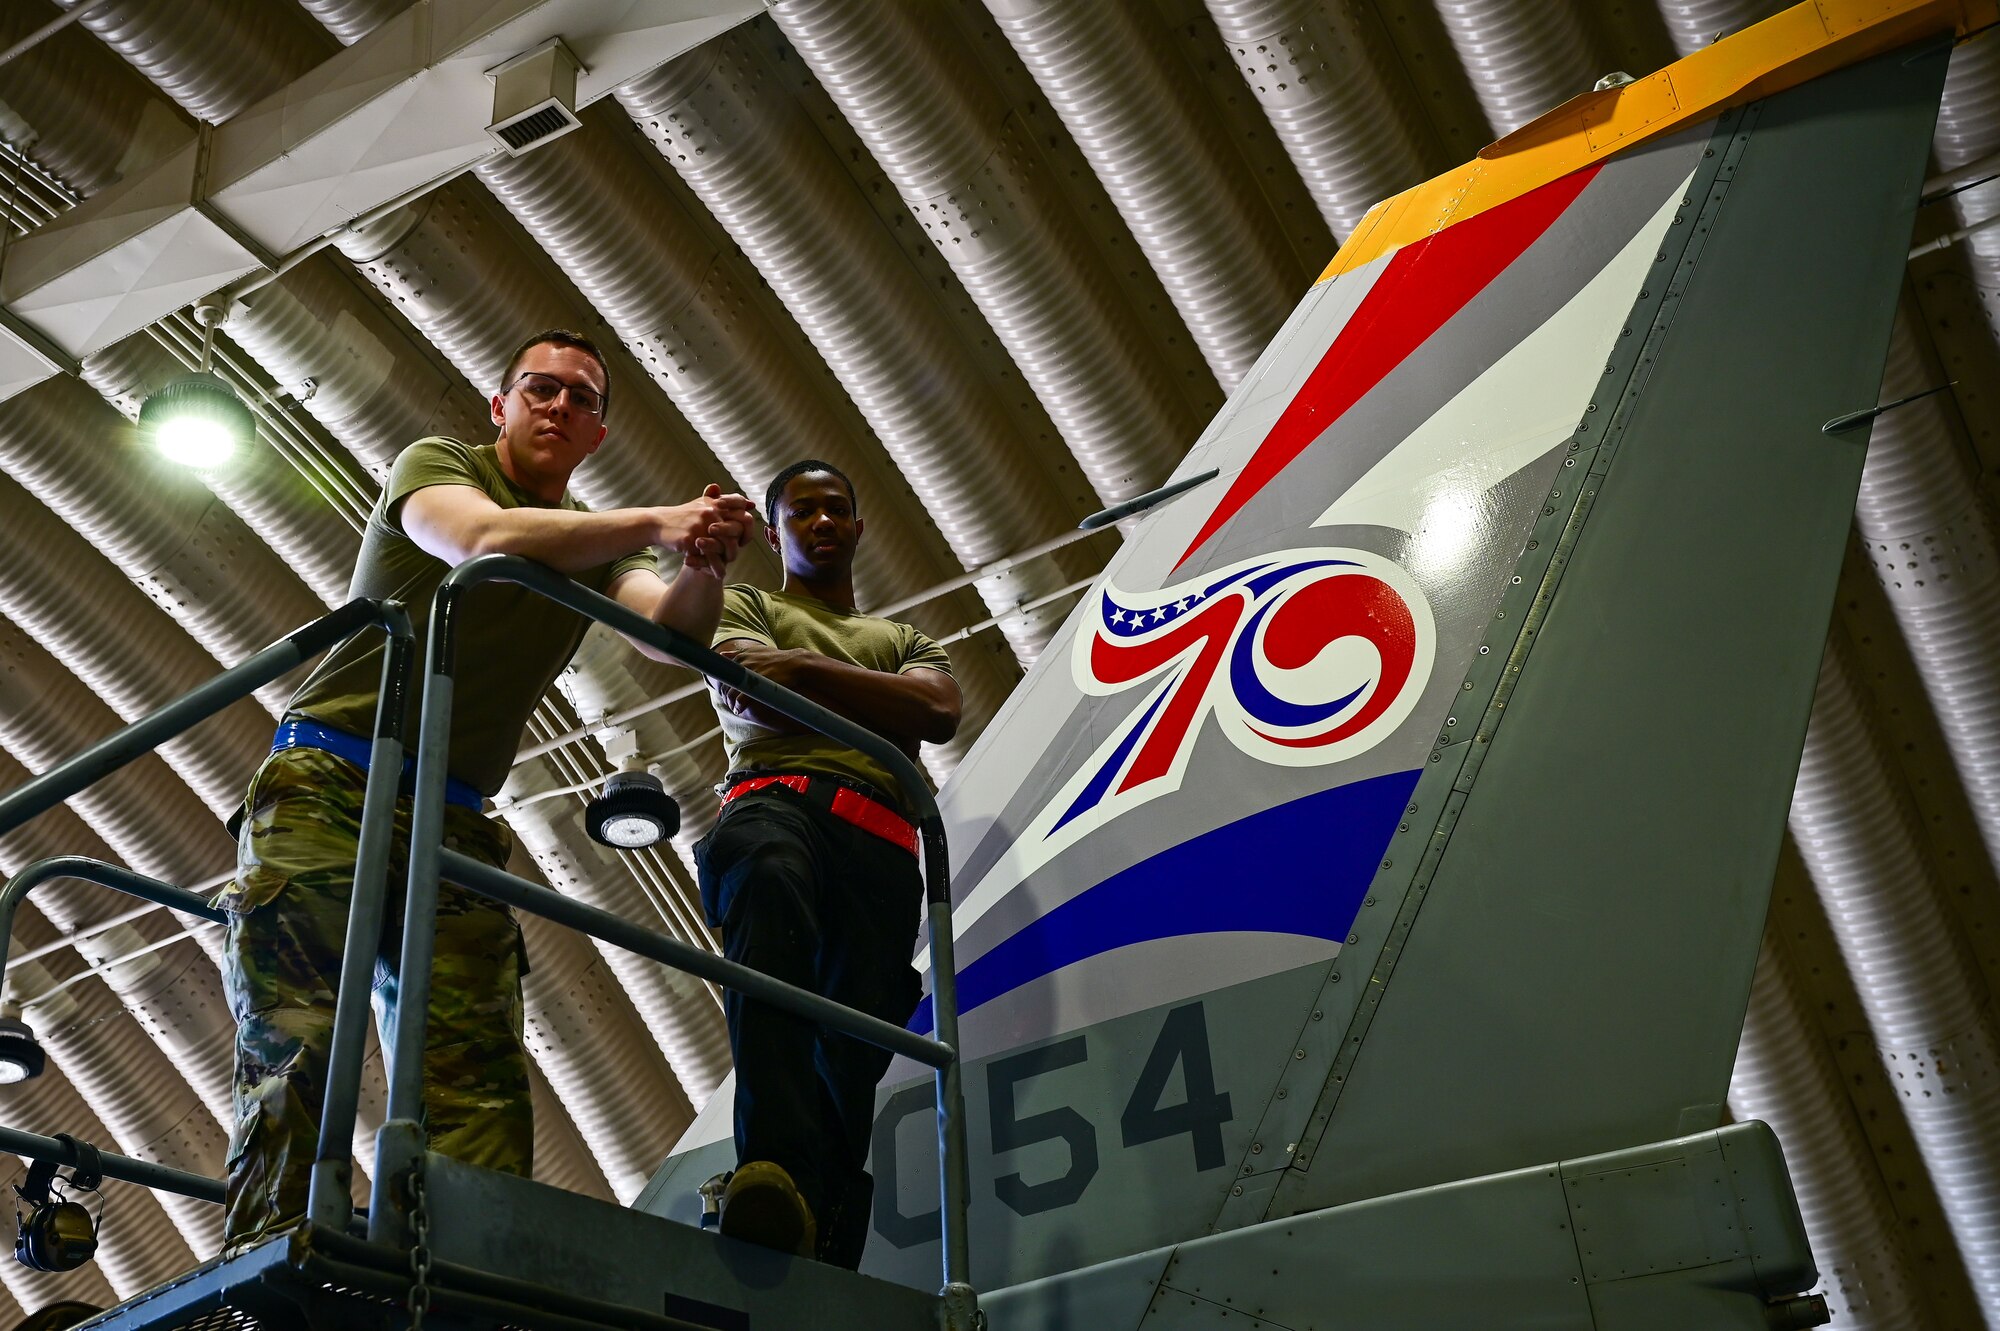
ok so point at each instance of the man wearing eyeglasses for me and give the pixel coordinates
(445, 501)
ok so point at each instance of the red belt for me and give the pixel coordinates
(850, 806)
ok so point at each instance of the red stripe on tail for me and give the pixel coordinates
(1423, 286)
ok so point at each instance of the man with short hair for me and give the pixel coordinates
(445, 502)
(811, 870)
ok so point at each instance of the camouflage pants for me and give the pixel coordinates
(286, 935)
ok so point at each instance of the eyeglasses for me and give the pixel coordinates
(542, 389)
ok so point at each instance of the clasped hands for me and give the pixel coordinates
(709, 531)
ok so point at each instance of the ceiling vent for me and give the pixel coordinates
(534, 98)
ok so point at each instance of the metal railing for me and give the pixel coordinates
(371, 870)
(400, 1143)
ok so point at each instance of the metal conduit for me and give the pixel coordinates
(1931, 541)
(1523, 57)
(676, 1009)
(213, 57)
(152, 1113)
(186, 550)
(626, 1102)
(1348, 129)
(1133, 106)
(1785, 1076)
(153, 821)
(970, 173)
(1693, 24)
(85, 116)
(721, 118)
(351, 20)
(360, 371)
(1924, 999)
(87, 615)
(263, 489)
(137, 1250)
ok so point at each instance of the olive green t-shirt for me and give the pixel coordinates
(777, 619)
(511, 643)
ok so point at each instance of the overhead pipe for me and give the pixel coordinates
(85, 115)
(351, 20)
(726, 123)
(1132, 104)
(1351, 130)
(1931, 540)
(190, 554)
(215, 58)
(1968, 129)
(1786, 1077)
(259, 484)
(1926, 1004)
(103, 629)
(1522, 57)
(55, 25)
(968, 169)
(1693, 24)
(562, 1160)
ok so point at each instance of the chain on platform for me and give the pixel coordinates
(420, 1251)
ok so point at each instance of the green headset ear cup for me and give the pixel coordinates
(56, 1236)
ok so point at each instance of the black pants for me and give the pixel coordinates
(819, 903)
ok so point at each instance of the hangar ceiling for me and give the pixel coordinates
(1001, 262)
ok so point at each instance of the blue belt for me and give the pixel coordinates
(353, 748)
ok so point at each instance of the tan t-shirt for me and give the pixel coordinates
(777, 619)
(511, 643)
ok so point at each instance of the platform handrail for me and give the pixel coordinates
(331, 1169)
(198, 704)
(145, 1173)
(400, 1142)
(509, 890)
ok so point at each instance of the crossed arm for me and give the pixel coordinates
(917, 705)
(456, 522)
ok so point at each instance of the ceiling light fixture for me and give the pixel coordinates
(197, 419)
(21, 1055)
(632, 812)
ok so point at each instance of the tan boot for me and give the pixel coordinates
(762, 1205)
